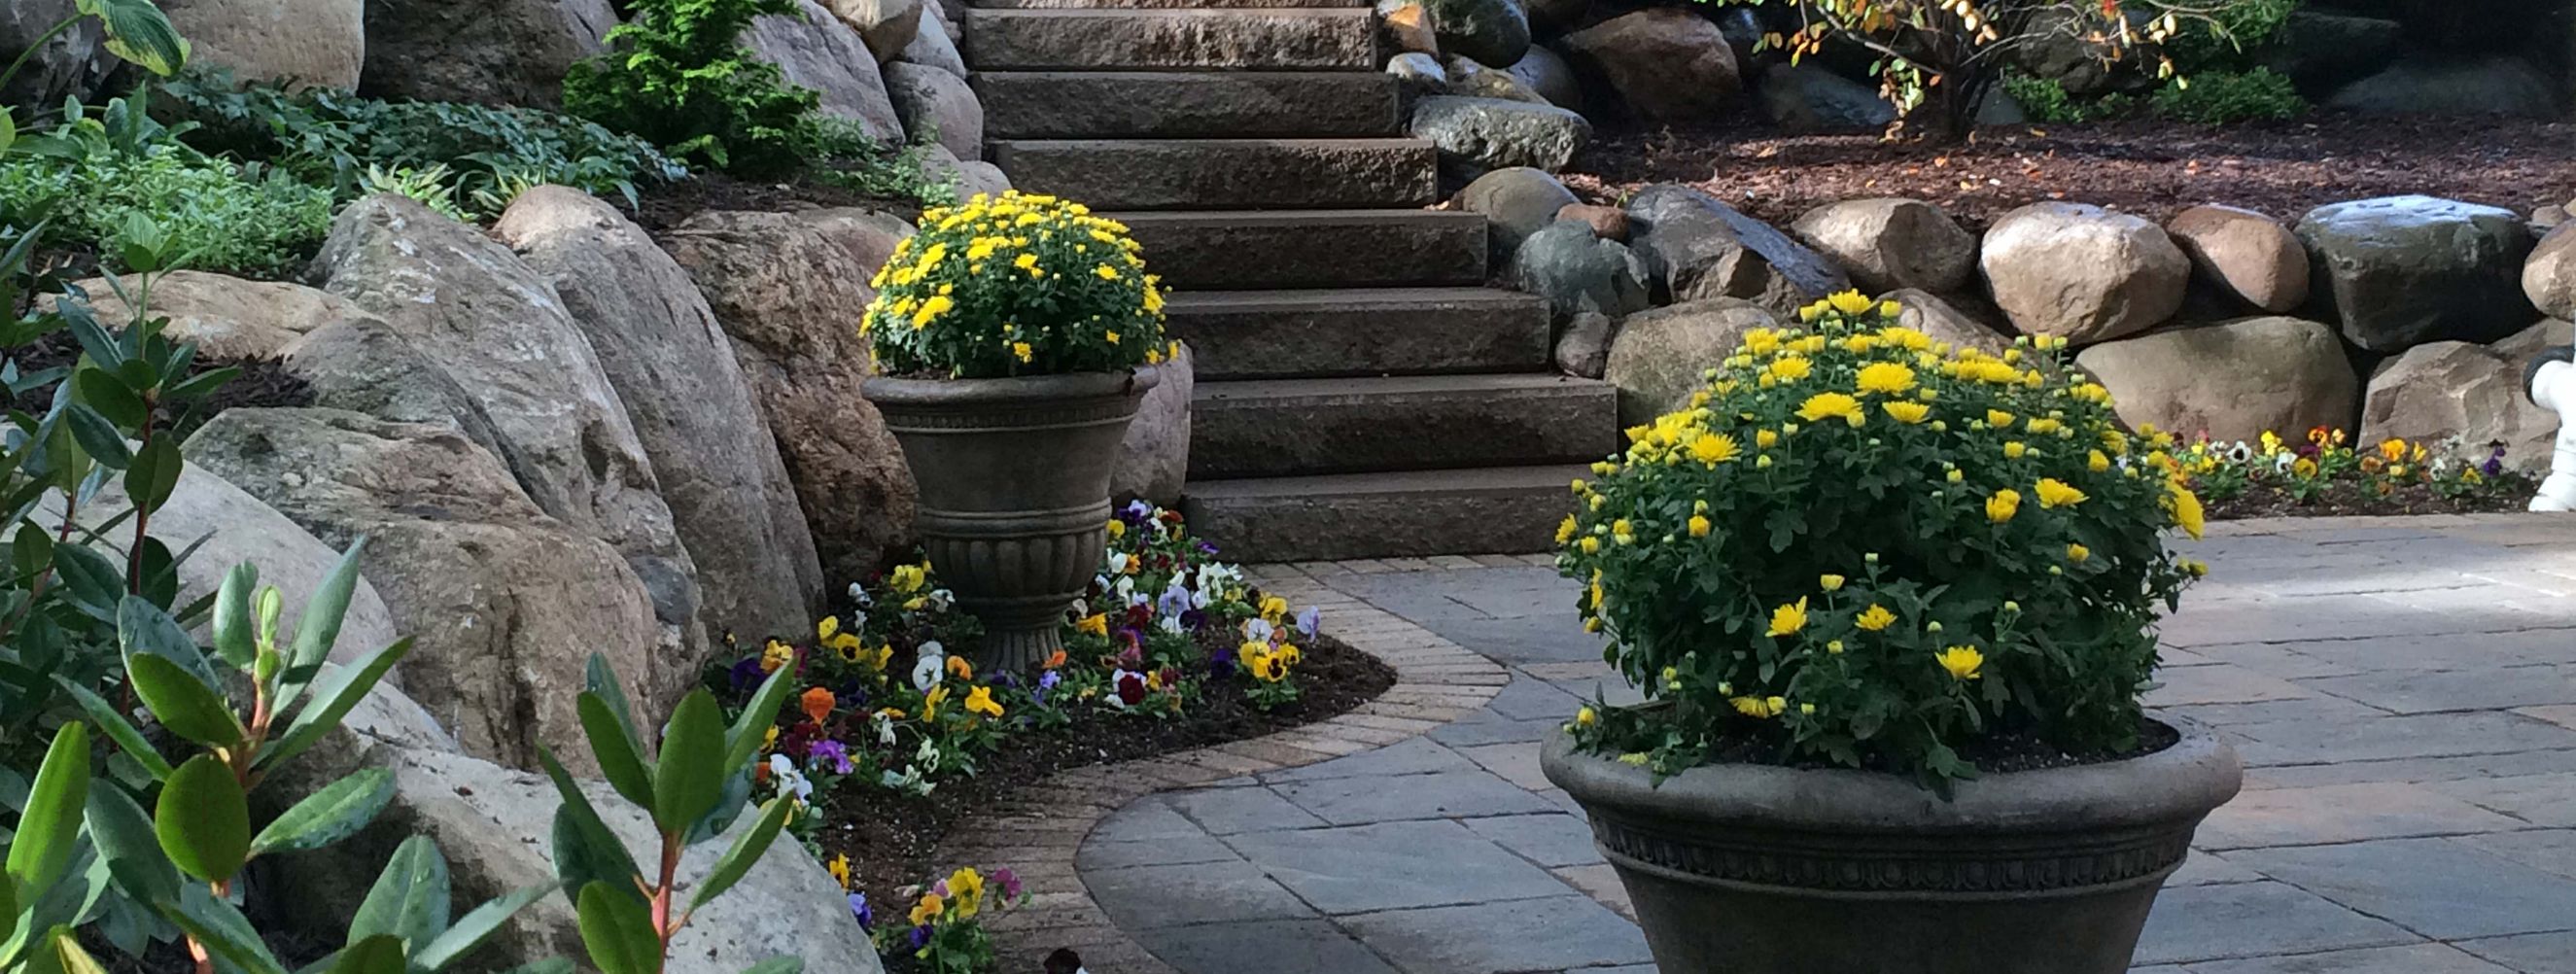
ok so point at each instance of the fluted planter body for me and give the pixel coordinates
(1737, 869)
(1014, 477)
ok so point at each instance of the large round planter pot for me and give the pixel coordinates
(1014, 477)
(1754, 868)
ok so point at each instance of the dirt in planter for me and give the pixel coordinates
(2508, 491)
(1993, 754)
(893, 839)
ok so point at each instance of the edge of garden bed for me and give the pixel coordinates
(1041, 832)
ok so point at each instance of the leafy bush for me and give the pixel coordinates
(1021, 285)
(2045, 100)
(2220, 97)
(91, 175)
(1861, 547)
(481, 156)
(675, 73)
(2233, 38)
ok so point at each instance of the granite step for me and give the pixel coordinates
(1168, 105)
(1217, 250)
(1218, 174)
(1360, 332)
(1297, 427)
(1493, 510)
(1261, 39)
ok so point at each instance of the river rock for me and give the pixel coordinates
(1807, 98)
(227, 318)
(71, 63)
(1491, 133)
(1607, 222)
(1516, 202)
(1408, 28)
(885, 25)
(2400, 271)
(1468, 79)
(303, 42)
(1584, 349)
(816, 50)
(2549, 276)
(2231, 380)
(1418, 74)
(2452, 85)
(1891, 243)
(1494, 32)
(2244, 254)
(1664, 64)
(1154, 458)
(1696, 247)
(492, 52)
(1659, 357)
(2440, 390)
(1943, 320)
(1545, 72)
(1578, 272)
(931, 47)
(2083, 273)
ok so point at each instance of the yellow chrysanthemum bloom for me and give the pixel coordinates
(2186, 510)
(1999, 419)
(2015, 449)
(2077, 553)
(1023, 351)
(1759, 707)
(2058, 493)
(1963, 662)
(1908, 413)
(2096, 462)
(1875, 618)
(1565, 529)
(1713, 448)
(1790, 368)
(1788, 619)
(1885, 378)
(1766, 439)
(2001, 507)
(1850, 302)
(1830, 405)
(1586, 718)
(1699, 526)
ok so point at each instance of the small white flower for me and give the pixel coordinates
(940, 599)
(789, 781)
(1257, 630)
(885, 730)
(1170, 624)
(927, 669)
(1126, 586)
(1118, 562)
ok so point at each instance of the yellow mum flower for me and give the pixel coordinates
(2015, 449)
(1886, 378)
(1830, 583)
(1875, 618)
(1713, 448)
(1766, 439)
(2003, 505)
(1962, 662)
(1851, 302)
(2096, 462)
(1565, 530)
(1790, 368)
(1788, 619)
(2058, 493)
(1589, 545)
(939, 304)
(1830, 405)
(1908, 413)
(2077, 553)
(1023, 351)
(1699, 526)
(2186, 510)
(1106, 272)
(1758, 707)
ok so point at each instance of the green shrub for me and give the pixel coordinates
(675, 74)
(2236, 34)
(2045, 100)
(2220, 97)
(91, 176)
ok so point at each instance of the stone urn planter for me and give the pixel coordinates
(1014, 476)
(1764, 868)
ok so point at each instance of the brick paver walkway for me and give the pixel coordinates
(2403, 693)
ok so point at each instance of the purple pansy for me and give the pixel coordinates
(833, 751)
(859, 908)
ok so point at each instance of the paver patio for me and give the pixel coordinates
(2403, 693)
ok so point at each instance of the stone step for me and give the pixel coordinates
(1322, 333)
(1311, 248)
(1164, 105)
(1272, 39)
(1204, 174)
(1295, 427)
(1493, 510)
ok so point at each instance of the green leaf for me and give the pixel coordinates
(52, 818)
(124, 836)
(235, 633)
(90, 579)
(129, 739)
(61, 953)
(137, 32)
(689, 777)
(31, 551)
(475, 927)
(618, 931)
(8, 910)
(409, 899)
(586, 852)
(745, 852)
(155, 474)
(615, 748)
(333, 697)
(183, 703)
(222, 929)
(143, 628)
(203, 820)
(101, 390)
(374, 955)
(752, 726)
(319, 627)
(98, 437)
(334, 813)
(550, 965)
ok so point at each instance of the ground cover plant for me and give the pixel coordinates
(2324, 473)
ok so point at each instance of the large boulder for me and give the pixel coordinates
(1418, 74)
(363, 365)
(1492, 133)
(2437, 391)
(1665, 64)
(1494, 32)
(1660, 357)
(1577, 272)
(692, 410)
(885, 25)
(2549, 276)
(868, 236)
(492, 825)
(1808, 98)
(1584, 348)
(2451, 85)
(931, 47)
(2400, 271)
(2083, 273)
(935, 105)
(816, 50)
(496, 325)
(971, 177)
(1696, 247)
(2232, 380)
(2061, 45)
(1891, 243)
(304, 42)
(1943, 320)
(227, 318)
(791, 300)
(1545, 72)
(1154, 458)
(1468, 79)
(72, 63)
(2245, 255)
(1516, 202)
(2320, 50)
(492, 52)
(503, 603)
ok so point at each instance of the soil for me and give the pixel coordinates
(892, 838)
(2151, 168)
(1991, 754)
(262, 382)
(667, 205)
(2508, 491)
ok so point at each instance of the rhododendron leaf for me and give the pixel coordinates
(746, 850)
(610, 742)
(618, 932)
(689, 777)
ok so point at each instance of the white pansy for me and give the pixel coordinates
(927, 668)
(1257, 630)
(789, 781)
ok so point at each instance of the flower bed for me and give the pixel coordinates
(894, 738)
(2324, 475)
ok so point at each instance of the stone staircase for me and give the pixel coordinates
(1360, 392)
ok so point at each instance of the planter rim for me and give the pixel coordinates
(1028, 388)
(2197, 773)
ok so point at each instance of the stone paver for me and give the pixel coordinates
(2403, 692)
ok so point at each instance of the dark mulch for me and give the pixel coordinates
(262, 382)
(2151, 168)
(2509, 491)
(667, 205)
(1992, 754)
(892, 839)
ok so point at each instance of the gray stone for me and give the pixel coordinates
(973, 177)
(1544, 934)
(1807, 98)
(1696, 247)
(2537, 799)
(1578, 272)
(869, 236)
(1407, 27)
(2433, 886)
(816, 50)
(2381, 738)
(1664, 65)
(2526, 952)
(2549, 275)
(303, 42)
(1891, 243)
(2436, 391)
(1151, 897)
(1394, 865)
(1659, 357)
(936, 105)
(227, 318)
(493, 52)
(660, 346)
(362, 365)
(1411, 756)
(887, 26)
(1491, 133)
(1442, 794)
(2320, 49)
(2065, 45)
(1227, 811)
(931, 47)
(1584, 348)
(1493, 32)
(2400, 271)
(2481, 688)
(1154, 458)
(2341, 813)
(2451, 85)
(2082, 273)
(1942, 319)
(2245, 254)
(70, 64)
(2233, 380)
(1269, 946)
(1468, 79)
(1550, 840)
(1518, 200)
(1544, 71)
(1195, 847)
(2199, 923)
(1419, 73)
